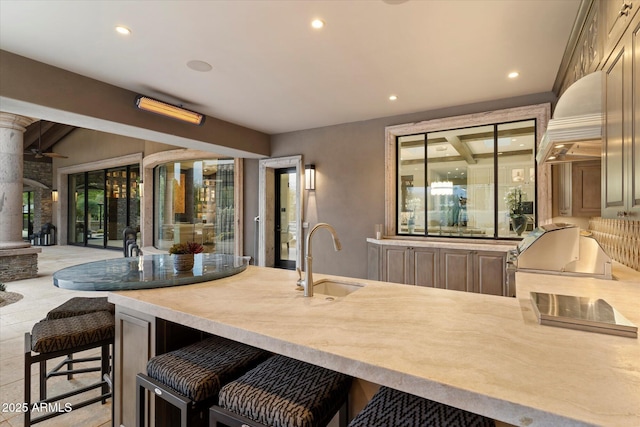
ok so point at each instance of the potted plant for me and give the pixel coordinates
(514, 198)
(183, 255)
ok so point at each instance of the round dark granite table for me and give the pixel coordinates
(145, 272)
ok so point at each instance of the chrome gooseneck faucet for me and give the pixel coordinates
(307, 283)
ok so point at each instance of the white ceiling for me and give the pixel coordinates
(274, 73)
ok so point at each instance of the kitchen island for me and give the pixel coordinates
(482, 353)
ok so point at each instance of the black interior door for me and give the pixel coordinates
(286, 245)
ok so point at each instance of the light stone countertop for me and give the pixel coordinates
(449, 243)
(482, 353)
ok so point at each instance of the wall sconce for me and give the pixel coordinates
(158, 107)
(141, 189)
(54, 195)
(310, 177)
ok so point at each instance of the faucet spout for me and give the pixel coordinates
(308, 265)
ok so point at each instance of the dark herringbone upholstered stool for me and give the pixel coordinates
(78, 306)
(190, 378)
(51, 339)
(283, 392)
(395, 408)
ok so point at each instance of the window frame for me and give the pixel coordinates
(539, 112)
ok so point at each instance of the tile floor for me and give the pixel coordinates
(40, 296)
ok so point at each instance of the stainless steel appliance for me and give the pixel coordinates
(562, 249)
(582, 313)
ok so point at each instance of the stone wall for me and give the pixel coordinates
(18, 267)
(42, 172)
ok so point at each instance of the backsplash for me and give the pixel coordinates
(620, 239)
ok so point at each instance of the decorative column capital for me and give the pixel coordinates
(15, 121)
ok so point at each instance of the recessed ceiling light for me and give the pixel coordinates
(513, 74)
(393, 97)
(199, 65)
(559, 145)
(123, 30)
(317, 24)
(521, 145)
(552, 157)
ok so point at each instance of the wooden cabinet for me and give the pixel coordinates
(490, 273)
(577, 186)
(134, 346)
(586, 179)
(410, 265)
(616, 14)
(373, 261)
(424, 267)
(394, 264)
(454, 269)
(563, 175)
(621, 151)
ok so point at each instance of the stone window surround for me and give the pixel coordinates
(541, 112)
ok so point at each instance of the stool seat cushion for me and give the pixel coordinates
(199, 370)
(284, 392)
(391, 407)
(68, 333)
(78, 306)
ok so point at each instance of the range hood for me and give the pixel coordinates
(575, 131)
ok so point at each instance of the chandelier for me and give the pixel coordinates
(442, 188)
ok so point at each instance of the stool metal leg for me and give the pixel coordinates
(43, 379)
(105, 370)
(70, 366)
(160, 390)
(27, 378)
(140, 402)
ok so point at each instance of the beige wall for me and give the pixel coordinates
(34, 89)
(349, 194)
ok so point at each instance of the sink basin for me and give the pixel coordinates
(335, 288)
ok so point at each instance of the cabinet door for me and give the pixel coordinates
(134, 346)
(613, 185)
(394, 264)
(373, 261)
(617, 14)
(425, 267)
(586, 188)
(456, 270)
(564, 189)
(633, 43)
(621, 159)
(490, 270)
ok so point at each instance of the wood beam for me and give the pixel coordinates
(462, 149)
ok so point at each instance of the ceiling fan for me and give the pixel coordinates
(37, 152)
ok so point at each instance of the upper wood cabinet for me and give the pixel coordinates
(576, 188)
(562, 184)
(586, 179)
(616, 14)
(621, 150)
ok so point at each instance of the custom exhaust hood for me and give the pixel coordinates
(575, 131)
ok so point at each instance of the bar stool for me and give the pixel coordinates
(190, 378)
(283, 392)
(59, 337)
(390, 407)
(80, 305)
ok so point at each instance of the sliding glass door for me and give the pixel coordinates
(102, 204)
